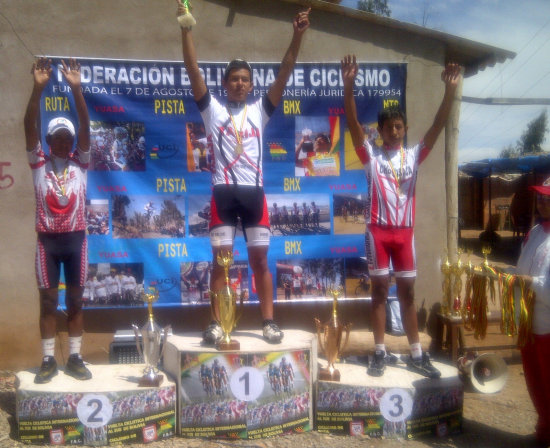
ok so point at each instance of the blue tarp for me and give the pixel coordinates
(527, 164)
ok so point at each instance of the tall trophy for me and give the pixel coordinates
(226, 299)
(151, 338)
(331, 341)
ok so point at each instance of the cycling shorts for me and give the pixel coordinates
(383, 244)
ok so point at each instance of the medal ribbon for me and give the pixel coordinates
(237, 131)
(391, 165)
(60, 182)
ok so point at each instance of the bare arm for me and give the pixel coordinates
(71, 73)
(190, 59)
(349, 71)
(41, 71)
(451, 78)
(300, 24)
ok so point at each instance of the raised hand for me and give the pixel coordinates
(451, 74)
(349, 68)
(71, 73)
(41, 71)
(301, 21)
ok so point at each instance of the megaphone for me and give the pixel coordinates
(487, 372)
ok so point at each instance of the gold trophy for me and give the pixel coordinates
(331, 342)
(446, 270)
(226, 298)
(185, 18)
(457, 269)
(152, 339)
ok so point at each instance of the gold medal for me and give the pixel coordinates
(239, 149)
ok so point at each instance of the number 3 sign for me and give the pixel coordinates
(94, 410)
(396, 405)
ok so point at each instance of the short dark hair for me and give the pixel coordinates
(389, 113)
(236, 64)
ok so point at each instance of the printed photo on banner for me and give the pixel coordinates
(305, 214)
(285, 395)
(317, 150)
(97, 216)
(148, 216)
(118, 146)
(357, 282)
(195, 281)
(206, 396)
(113, 284)
(200, 157)
(300, 279)
(349, 213)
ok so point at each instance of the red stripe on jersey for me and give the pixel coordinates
(361, 152)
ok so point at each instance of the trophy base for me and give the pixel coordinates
(150, 381)
(231, 345)
(326, 375)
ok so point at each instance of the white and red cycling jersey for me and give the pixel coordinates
(232, 167)
(61, 198)
(388, 205)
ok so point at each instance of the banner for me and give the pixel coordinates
(149, 183)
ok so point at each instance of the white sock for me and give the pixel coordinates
(416, 350)
(74, 345)
(48, 347)
(380, 347)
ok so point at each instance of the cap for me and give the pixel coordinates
(236, 64)
(544, 188)
(60, 123)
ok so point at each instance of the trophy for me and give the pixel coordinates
(457, 269)
(446, 270)
(185, 18)
(331, 342)
(152, 338)
(226, 299)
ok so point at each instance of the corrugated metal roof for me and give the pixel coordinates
(472, 55)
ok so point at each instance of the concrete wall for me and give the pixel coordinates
(147, 29)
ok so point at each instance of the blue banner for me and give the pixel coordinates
(149, 179)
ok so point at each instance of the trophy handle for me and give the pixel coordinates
(319, 325)
(166, 330)
(241, 310)
(138, 345)
(213, 298)
(347, 328)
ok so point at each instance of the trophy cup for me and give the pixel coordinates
(331, 342)
(226, 299)
(457, 269)
(152, 338)
(185, 18)
(446, 286)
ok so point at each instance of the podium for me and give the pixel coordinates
(109, 409)
(260, 391)
(399, 404)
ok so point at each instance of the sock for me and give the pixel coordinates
(416, 350)
(380, 348)
(74, 345)
(267, 321)
(48, 347)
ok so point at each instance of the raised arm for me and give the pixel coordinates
(300, 24)
(451, 77)
(41, 71)
(71, 73)
(349, 72)
(190, 58)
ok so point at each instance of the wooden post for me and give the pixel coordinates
(451, 174)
